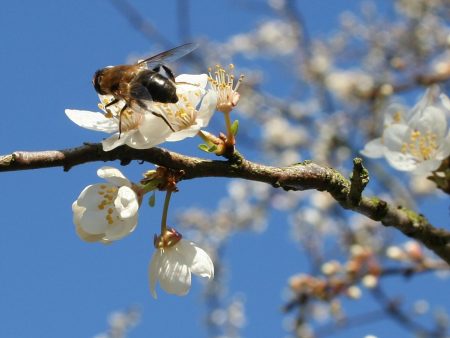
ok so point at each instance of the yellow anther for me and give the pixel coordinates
(397, 117)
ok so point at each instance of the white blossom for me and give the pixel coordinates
(106, 212)
(138, 129)
(172, 266)
(419, 142)
(141, 128)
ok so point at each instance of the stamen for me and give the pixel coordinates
(421, 146)
(224, 84)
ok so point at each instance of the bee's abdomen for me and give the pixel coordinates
(160, 88)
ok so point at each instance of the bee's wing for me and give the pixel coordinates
(169, 55)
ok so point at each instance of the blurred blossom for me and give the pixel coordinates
(285, 200)
(288, 157)
(308, 108)
(322, 200)
(120, 322)
(329, 148)
(441, 64)
(395, 252)
(276, 4)
(354, 292)
(307, 223)
(273, 37)
(280, 133)
(370, 281)
(321, 312)
(331, 267)
(420, 185)
(349, 84)
(414, 250)
(421, 306)
(367, 233)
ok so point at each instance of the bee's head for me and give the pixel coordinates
(97, 81)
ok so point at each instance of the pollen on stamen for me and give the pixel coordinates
(224, 84)
(421, 146)
(109, 219)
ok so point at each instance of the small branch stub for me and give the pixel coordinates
(359, 179)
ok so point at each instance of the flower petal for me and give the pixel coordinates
(432, 120)
(92, 120)
(174, 275)
(114, 176)
(207, 108)
(401, 161)
(120, 228)
(153, 270)
(198, 80)
(91, 195)
(87, 237)
(78, 212)
(200, 264)
(444, 149)
(184, 133)
(395, 136)
(426, 167)
(94, 221)
(374, 148)
(126, 202)
(113, 142)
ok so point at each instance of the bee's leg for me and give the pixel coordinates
(164, 119)
(120, 119)
(114, 101)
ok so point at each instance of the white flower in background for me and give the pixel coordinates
(420, 141)
(106, 212)
(348, 84)
(174, 261)
(275, 37)
(139, 130)
(194, 109)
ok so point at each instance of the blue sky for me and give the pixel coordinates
(51, 283)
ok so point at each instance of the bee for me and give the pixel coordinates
(141, 82)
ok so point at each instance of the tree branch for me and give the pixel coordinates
(301, 176)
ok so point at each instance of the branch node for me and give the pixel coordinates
(358, 181)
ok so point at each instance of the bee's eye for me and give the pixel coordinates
(96, 80)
